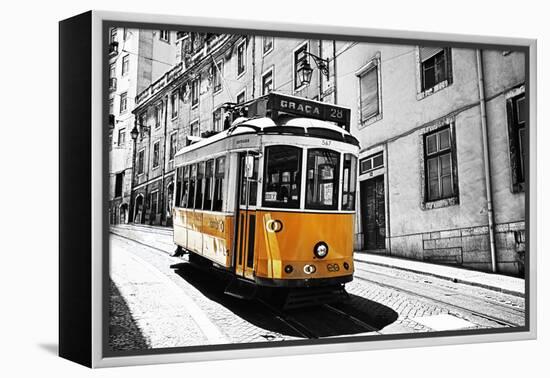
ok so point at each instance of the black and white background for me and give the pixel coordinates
(29, 271)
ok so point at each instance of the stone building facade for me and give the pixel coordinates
(136, 59)
(422, 182)
(188, 102)
(417, 112)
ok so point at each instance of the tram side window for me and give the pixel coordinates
(249, 185)
(348, 189)
(218, 184)
(322, 179)
(179, 177)
(185, 186)
(199, 186)
(208, 185)
(282, 177)
(192, 179)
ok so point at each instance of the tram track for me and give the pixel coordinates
(510, 310)
(446, 304)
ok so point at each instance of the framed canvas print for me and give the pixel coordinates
(238, 189)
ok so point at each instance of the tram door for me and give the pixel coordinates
(248, 182)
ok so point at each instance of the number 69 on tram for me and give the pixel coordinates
(271, 200)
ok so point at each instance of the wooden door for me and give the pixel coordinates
(373, 213)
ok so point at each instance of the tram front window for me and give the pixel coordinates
(322, 179)
(282, 177)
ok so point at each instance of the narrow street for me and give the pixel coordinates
(154, 306)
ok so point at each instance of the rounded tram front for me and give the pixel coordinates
(270, 200)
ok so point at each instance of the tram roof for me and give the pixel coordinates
(286, 125)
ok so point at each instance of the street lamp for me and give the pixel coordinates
(305, 70)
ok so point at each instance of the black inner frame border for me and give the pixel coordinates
(106, 24)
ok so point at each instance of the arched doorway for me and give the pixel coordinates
(123, 213)
(138, 209)
(169, 204)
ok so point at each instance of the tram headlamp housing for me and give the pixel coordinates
(320, 250)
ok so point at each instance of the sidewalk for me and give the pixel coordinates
(162, 238)
(496, 282)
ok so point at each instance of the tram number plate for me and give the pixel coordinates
(333, 267)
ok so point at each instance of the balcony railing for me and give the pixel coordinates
(113, 48)
(112, 84)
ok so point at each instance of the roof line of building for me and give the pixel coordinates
(176, 75)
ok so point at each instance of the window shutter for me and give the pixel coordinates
(428, 52)
(369, 94)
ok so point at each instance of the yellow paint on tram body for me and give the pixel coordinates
(211, 235)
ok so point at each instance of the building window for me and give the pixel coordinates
(300, 56)
(140, 161)
(156, 153)
(241, 97)
(267, 82)
(158, 115)
(112, 37)
(440, 170)
(119, 179)
(195, 92)
(123, 102)
(518, 142)
(164, 35)
(125, 33)
(372, 162)
(111, 106)
(435, 68)
(218, 72)
(217, 119)
(125, 64)
(121, 137)
(174, 103)
(241, 58)
(173, 145)
(267, 44)
(195, 129)
(153, 200)
(369, 92)
(112, 70)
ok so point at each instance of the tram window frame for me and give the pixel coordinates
(199, 194)
(349, 186)
(185, 187)
(250, 184)
(179, 185)
(219, 180)
(310, 203)
(192, 178)
(208, 184)
(291, 204)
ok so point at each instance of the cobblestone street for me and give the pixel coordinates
(154, 306)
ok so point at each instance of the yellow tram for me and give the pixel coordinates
(271, 199)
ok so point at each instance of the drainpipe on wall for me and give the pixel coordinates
(486, 162)
(161, 191)
(334, 69)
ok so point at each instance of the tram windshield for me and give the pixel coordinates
(282, 177)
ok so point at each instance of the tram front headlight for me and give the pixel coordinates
(320, 250)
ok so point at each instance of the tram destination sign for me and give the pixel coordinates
(275, 103)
